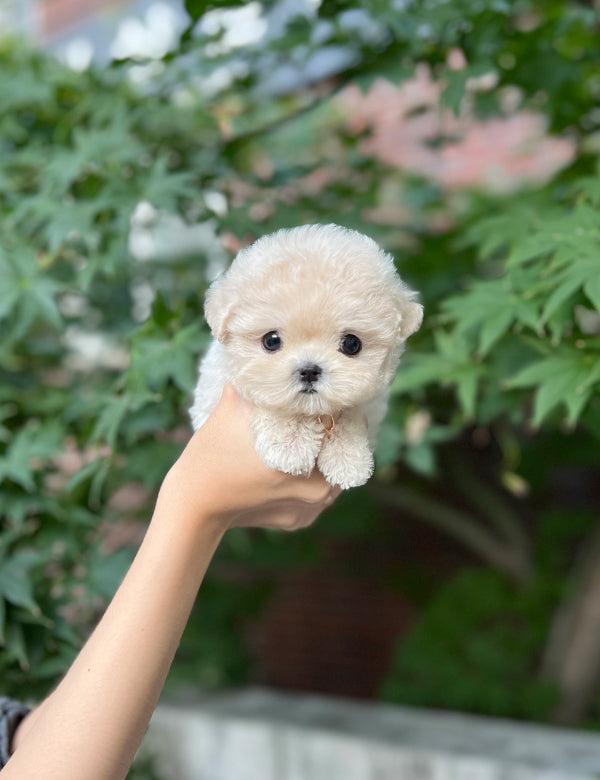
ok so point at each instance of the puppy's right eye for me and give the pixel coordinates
(272, 341)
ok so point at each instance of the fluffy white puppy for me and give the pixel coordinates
(309, 325)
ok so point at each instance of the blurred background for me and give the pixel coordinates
(141, 145)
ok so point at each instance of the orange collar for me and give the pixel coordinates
(328, 423)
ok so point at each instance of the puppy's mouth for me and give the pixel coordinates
(308, 390)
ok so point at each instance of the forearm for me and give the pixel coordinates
(93, 723)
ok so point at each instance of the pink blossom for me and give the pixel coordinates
(411, 131)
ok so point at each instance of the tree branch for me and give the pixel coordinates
(461, 526)
(493, 505)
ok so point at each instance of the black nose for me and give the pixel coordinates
(309, 373)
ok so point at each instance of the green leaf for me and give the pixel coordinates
(453, 94)
(550, 394)
(421, 458)
(14, 645)
(159, 357)
(15, 582)
(105, 572)
(389, 443)
(36, 441)
(488, 306)
(566, 378)
(575, 401)
(83, 475)
(559, 296)
(196, 8)
(467, 382)
(164, 189)
(56, 665)
(110, 419)
(527, 313)
(456, 81)
(418, 370)
(530, 249)
(592, 289)
(9, 295)
(26, 91)
(27, 294)
(540, 371)
(494, 327)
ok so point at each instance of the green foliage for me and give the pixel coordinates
(78, 153)
(475, 650)
(212, 654)
(98, 344)
(145, 767)
(518, 328)
(476, 645)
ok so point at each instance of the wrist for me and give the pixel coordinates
(190, 510)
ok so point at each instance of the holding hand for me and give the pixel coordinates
(219, 475)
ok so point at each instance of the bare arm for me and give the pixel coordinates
(93, 723)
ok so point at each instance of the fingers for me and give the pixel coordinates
(289, 514)
(313, 490)
(258, 486)
(303, 515)
(333, 494)
(311, 511)
(230, 399)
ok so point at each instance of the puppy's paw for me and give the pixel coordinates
(285, 445)
(344, 468)
(345, 458)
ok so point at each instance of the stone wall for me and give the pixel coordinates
(264, 735)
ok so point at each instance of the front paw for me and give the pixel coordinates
(285, 445)
(345, 463)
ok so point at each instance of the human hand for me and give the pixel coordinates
(219, 475)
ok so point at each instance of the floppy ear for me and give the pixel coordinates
(411, 317)
(218, 307)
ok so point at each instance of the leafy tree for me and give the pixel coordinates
(497, 397)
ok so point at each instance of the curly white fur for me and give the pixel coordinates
(313, 286)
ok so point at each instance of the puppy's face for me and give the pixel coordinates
(310, 333)
(306, 351)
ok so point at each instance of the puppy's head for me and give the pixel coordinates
(313, 320)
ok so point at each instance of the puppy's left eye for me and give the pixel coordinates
(350, 344)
